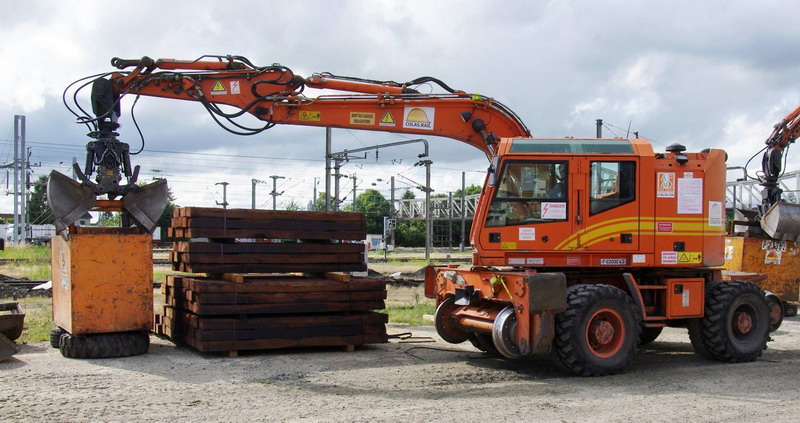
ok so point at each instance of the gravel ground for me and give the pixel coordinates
(419, 380)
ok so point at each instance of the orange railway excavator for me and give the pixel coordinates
(583, 248)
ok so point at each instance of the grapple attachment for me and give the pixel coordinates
(782, 221)
(68, 200)
(146, 203)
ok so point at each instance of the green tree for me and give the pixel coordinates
(319, 204)
(410, 233)
(408, 195)
(166, 216)
(292, 205)
(374, 206)
(38, 211)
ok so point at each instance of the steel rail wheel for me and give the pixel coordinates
(445, 324)
(598, 332)
(504, 333)
(775, 311)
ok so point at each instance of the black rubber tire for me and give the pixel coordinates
(789, 309)
(572, 345)
(104, 345)
(649, 335)
(484, 343)
(718, 331)
(55, 336)
(696, 338)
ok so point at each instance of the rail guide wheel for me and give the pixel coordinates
(504, 331)
(446, 326)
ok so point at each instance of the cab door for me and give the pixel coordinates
(610, 205)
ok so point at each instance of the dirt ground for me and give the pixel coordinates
(418, 380)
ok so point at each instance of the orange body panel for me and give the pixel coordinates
(779, 260)
(102, 282)
(685, 297)
(677, 224)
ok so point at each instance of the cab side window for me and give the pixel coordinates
(612, 184)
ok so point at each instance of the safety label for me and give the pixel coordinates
(554, 211)
(527, 234)
(387, 119)
(729, 252)
(638, 258)
(686, 257)
(310, 116)
(235, 88)
(508, 245)
(690, 195)
(666, 185)
(516, 261)
(361, 118)
(669, 257)
(419, 117)
(664, 227)
(535, 260)
(218, 88)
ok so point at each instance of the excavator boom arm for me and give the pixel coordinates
(274, 94)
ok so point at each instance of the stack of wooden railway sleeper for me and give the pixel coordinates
(262, 279)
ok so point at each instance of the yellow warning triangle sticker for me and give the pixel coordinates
(218, 87)
(683, 258)
(387, 118)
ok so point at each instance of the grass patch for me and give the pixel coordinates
(411, 312)
(38, 318)
(26, 252)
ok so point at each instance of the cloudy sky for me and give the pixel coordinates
(704, 74)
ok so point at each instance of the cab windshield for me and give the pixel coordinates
(529, 192)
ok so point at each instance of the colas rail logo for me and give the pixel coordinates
(419, 117)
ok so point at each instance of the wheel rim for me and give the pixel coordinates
(504, 333)
(605, 333)
(744, 319)
(446, 326)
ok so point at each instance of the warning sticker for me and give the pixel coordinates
(310, 116)
(387, 120)
(773, 257)
(729, 252)
(664, 227)
(669, 257)
(686, 257)
(554, 210)
(419, 117)
(535, 260)
(361, 118)
(666, 185)
(516, 261)
(714, 213)
(638, 258)
(235, 87)
(527, 234)
(508, 245)
(218, 88)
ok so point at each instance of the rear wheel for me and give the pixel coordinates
(736, 325)
(775, 311)
(504, 333)
(649, 335)
(446, 325)
(598, 332)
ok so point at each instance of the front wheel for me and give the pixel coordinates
(598, 332)
(445, 324)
